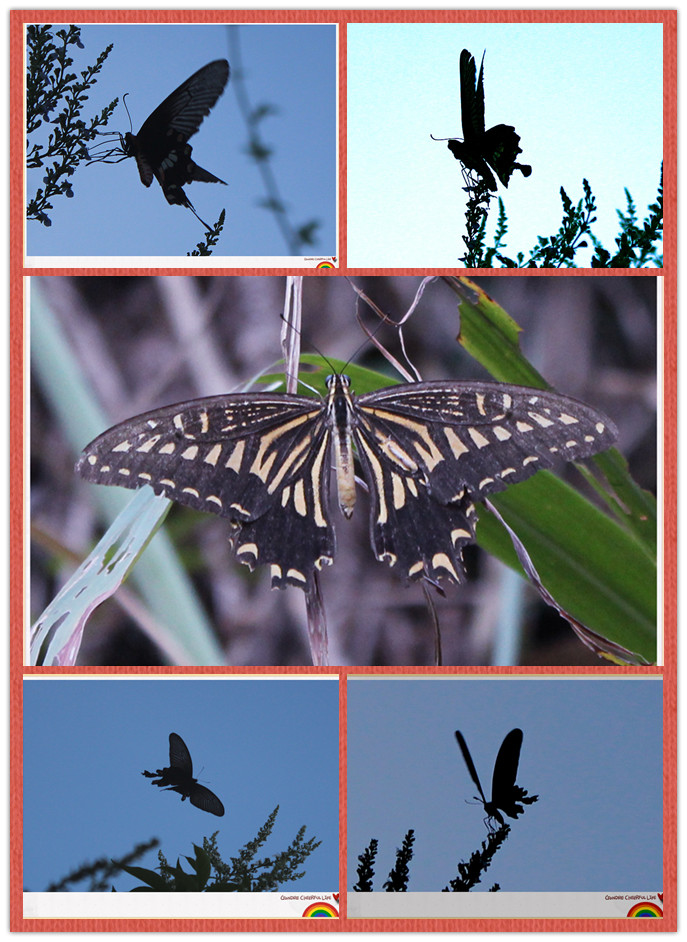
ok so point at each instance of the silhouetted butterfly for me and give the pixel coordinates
(179, 778)
(504, 792)
(496, 148)
(161, 147)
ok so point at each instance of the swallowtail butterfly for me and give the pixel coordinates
(161, 147)
(179, 778)
(504, 792)
(427, 451)
(496, 148)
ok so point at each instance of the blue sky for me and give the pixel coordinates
(592, 751)
(586, 100)
(256, 743)
(292, 68)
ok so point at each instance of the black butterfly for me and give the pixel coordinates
(428, 452)
(179, 778)
(496, 148)
(504, 792)
(161, 147)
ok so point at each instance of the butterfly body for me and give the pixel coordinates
(161, 147)
(178, 777)
(484, 150)
(505, 794)
(427, 451)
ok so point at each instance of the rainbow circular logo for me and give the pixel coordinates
(644, 910)
(325, 265)
(321, 909)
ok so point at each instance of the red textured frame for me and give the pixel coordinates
(668, 18)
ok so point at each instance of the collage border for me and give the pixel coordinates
(19, 432)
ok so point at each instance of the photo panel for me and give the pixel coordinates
(536, 128)
(154, 85)
(132, 345)
(523, 795)
(241, 821)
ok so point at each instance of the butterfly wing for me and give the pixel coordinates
(181, 113)
(431, 450)
(501, 146)
(179, 756)
(206, 800)
(258, 459)
(503, 794)
(470, 764)
(471, 98)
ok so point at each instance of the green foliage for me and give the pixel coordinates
(601, 568)
(243, 873)
(52, 87)
(636, 243)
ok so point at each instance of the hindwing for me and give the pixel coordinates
(206, 800)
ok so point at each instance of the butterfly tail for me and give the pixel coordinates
(202, 176)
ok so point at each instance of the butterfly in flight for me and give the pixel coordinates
(504, 792)
(178, 777)
(481, 150)
(161, 147)
(427, 451)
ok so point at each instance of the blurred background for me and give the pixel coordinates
(145, 342)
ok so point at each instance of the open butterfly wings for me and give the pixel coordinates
(179, 778)
(161, 147)
(428, 452)
(504, 792)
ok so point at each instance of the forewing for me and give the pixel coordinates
(179, 756)
(474, 439)
(180, 115)
(471, 98)
(258, 459)
(470, 764)
(503, 793)
(206, 800)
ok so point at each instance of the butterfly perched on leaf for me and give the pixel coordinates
(161, 147)
(505, 794)
(427, 452)
(481, 150)
(178, 777)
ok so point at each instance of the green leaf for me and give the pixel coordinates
(594, 568)
(149, 877)
(314, 370)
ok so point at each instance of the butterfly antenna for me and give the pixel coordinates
(131, 127)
